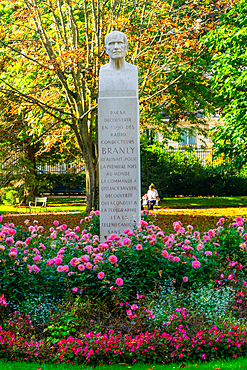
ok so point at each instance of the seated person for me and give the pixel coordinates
(152, 196)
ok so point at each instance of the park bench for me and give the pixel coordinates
(39, 203)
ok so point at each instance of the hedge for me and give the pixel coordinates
(183, 173)
(55, 183)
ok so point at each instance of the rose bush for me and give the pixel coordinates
(69, 261)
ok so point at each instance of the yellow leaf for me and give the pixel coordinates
(187, 43)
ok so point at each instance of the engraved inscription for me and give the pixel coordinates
(119, 169)
(115, 150)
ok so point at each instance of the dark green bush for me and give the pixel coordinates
(183, 173)
(63, 183)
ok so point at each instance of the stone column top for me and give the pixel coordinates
(121, 83)
(117, 78)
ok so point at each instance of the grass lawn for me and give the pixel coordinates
(185, 202)
(170, 210)
(77, 204)
(237, 364)
(200, 219)
(57, 204)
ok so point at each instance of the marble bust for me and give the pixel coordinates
(117, 78)
(116, 46)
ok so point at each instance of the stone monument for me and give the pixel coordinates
(119, 140)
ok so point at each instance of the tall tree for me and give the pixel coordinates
(17, 154)
(51, 52)
(227, 44)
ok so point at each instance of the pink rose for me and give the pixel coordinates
(101, 275)
(112, 258)
(119, 281)
(196, 264)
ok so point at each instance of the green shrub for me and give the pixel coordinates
(66, 182)
(8, 196)
(210, 301)
(40, 307)
(65, 326)
(183, 173)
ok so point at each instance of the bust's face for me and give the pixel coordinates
(116, 47)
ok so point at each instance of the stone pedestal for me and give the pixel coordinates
(119, 150)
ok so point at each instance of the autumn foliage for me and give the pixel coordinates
(51, 53)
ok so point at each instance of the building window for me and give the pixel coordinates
(188, 138)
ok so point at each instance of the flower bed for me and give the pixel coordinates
(161, 347)
(76, 259)
(144, 296)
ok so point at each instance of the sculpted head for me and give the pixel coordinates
(116, 45)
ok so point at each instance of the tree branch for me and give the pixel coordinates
(31, 99)
(48, 48)
(62, 22)
(178, 78)
(25, 56)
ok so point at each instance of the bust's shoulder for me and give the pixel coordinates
(105, 66)
(130, 66)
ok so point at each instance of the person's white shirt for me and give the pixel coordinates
(152, 194)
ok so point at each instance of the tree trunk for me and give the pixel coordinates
(96, 166)
(96, 187)
(31, 180)
(90, 180)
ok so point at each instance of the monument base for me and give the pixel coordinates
(119, 164)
